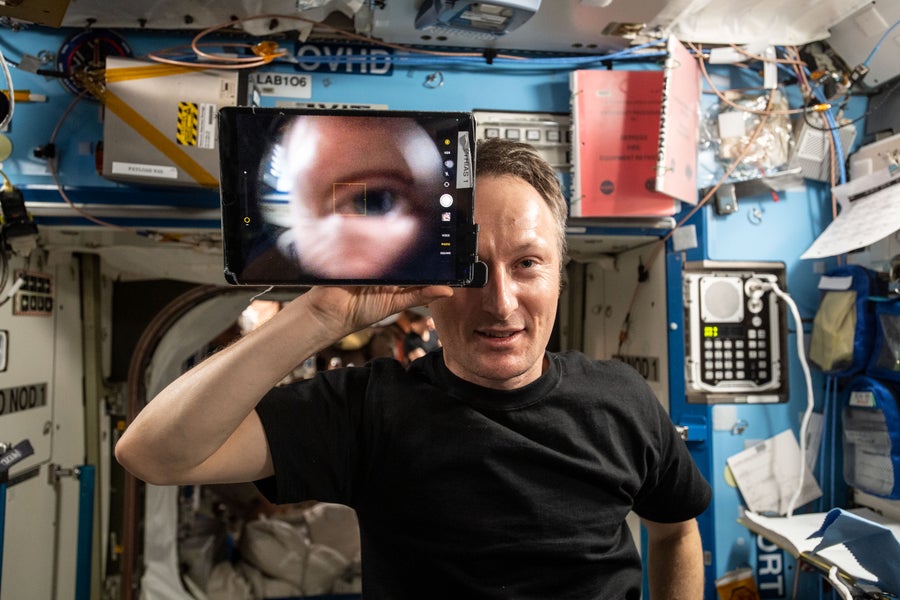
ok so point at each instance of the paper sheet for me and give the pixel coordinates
(793, 534)
(864, 220)
(768, 473)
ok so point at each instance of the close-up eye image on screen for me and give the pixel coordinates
(350, 197)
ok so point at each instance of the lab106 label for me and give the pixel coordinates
(289, 85)
(22, 397)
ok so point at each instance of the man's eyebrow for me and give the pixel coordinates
(535, 243)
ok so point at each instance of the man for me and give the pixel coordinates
(488, 469)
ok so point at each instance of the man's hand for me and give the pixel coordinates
(345, 310)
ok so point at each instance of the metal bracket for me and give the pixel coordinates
(693, 429)
(726, 200)
(56, 472)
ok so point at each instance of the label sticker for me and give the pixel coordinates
(862, 399)
(285, 85)
(139, 170)
(22, 397)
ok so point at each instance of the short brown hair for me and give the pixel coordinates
(497, 156)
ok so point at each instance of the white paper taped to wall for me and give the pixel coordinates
(870, 211)
(768, 474)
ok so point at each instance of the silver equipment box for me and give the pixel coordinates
(160, 122)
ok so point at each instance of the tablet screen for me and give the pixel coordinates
(347, 196)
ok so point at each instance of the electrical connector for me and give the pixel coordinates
(268, 50)
(47, 151)
(858, 74)
(18, 229)
(755, 289)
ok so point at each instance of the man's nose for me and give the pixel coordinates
(499, 295)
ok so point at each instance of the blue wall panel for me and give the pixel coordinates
(406, 89)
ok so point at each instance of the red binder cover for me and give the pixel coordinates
(634, 139)
(676, 173)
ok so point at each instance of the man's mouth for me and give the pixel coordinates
(498, 334)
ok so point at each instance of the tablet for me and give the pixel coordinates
(349, 197)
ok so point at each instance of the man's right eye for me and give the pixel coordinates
(373, 202)
(378, 202)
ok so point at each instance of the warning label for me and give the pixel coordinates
(196, 125)
(188, 123)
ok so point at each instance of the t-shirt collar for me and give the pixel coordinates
(485, 398)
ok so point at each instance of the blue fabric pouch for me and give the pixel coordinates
(871, 437)
(885, 358)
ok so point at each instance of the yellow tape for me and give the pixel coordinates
(149, 132)
(147, 71)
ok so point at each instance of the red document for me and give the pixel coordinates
(635, 139)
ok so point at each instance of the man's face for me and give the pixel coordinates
(495, 336)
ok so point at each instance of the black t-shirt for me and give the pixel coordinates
(468, 492)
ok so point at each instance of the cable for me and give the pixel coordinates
(757, 289)
(877, 47)
(54, 172)
(825, 109)
(883, 97)
(15, 288)
(839, 585)
(12, 94)
(44, 72)
(800, 69)
(550, 62)
(260, 294)
(754, 56)
(807, 414)
(268, 51)
(701, 59)
(4, 267)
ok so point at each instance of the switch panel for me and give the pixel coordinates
(35, 297)
(736, 332)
